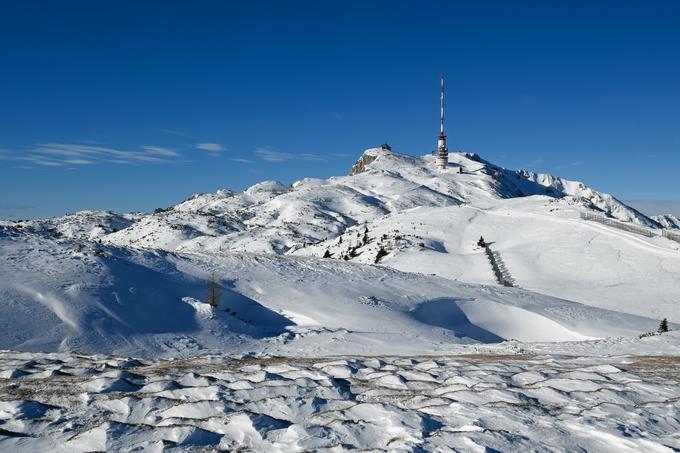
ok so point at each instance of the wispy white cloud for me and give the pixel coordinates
(212, 148)
(41, 160)
(243, 161)
(79, 161)
(73, 154)
(272, 155)
(160, 151)
(269, 154)
(307, 156)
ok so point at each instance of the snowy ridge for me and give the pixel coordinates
(358, 312)
(86, 225)
(280, 255)
(272, 218)
(668, 221)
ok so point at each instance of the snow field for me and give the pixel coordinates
(421, 352)
(152, 303)
(75, 402)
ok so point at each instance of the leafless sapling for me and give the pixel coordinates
(214, 291)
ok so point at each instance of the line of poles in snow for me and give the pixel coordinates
(669, 234)
(672, 235)
(499, 269)
(504, 278)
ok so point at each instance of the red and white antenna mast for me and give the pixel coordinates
(442, 160)
(441, 110)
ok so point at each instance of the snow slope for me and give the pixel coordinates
(305, 349)
(271, 218)
(668, 221)
(114, 300)
(142, 289)
(545, 245)
(80, 225)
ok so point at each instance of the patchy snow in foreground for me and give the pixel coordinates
(74, 403)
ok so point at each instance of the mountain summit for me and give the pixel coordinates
(272, 218)
(387, 253)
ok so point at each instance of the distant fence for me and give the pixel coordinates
(672, 235)
(499, 268)
(616, 224)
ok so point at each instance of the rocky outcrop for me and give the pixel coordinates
(367, 158)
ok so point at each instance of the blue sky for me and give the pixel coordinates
(134, 105)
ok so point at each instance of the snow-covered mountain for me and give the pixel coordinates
(272, 218)
(79, 225)
(667, 221)
(297, 267)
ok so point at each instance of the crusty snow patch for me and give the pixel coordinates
(203, 309)
(475, 403)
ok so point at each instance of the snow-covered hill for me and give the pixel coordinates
(108, 299)
(544, 244)
(271, 218)
(136, 284)
(80, 225)
(667, 221)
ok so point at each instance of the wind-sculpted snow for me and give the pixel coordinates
(73, 402)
